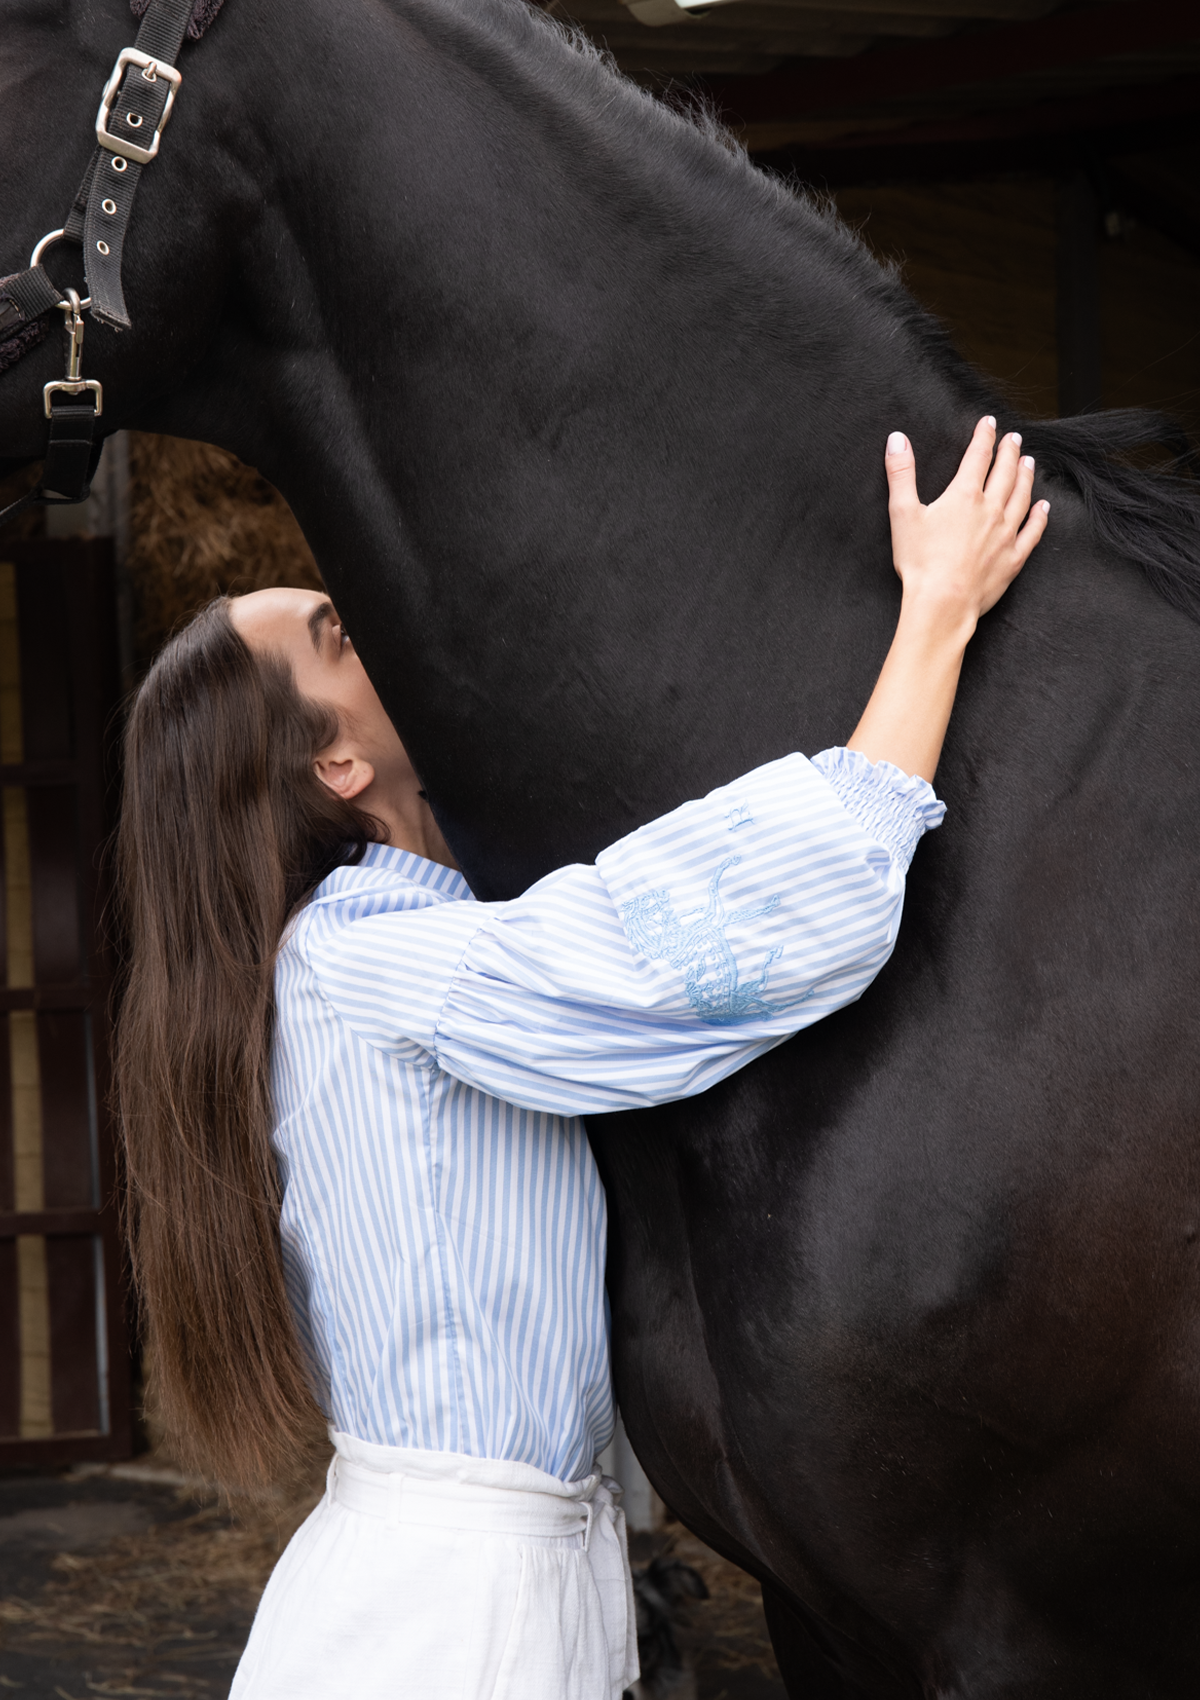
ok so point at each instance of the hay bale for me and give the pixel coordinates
(203, 524)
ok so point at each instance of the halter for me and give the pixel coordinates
(137, 102)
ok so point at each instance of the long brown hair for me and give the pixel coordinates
(225, 830)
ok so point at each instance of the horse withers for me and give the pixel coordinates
(583, 417)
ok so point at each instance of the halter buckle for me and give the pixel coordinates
(152, 70)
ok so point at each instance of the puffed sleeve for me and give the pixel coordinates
(694, 944)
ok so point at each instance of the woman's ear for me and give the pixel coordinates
(349, 777)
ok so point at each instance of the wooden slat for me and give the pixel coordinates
(960, 11)
(64, 1449)
(60, 786)
(1055, 43)
(68, 1136)
(1102, 114)
(69, 996)
(625, 41)
(52, 1223)
(956, 11)
(642, 63)
(39, 773)
(10, 1342)
(752, 17)
(748, 17)
(58, 944)
(75, 1383)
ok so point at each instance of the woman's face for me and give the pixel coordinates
(303, 628)
(366, 762)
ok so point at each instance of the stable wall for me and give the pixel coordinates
(982, 257)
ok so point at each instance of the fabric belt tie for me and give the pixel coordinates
(588, 1511)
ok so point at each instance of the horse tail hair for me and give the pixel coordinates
(1149, 515)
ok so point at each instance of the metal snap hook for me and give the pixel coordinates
(73, 384)
(73, 307)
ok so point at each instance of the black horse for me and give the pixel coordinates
(583, 417)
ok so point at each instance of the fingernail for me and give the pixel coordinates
(989, 419)
(1016, 438)
(1045, 507)
(897, 443)
(1027, 462)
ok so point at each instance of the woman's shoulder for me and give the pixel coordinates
(385, 881)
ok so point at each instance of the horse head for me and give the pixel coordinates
(55, 60)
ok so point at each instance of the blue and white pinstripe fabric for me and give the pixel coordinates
(443, 1222)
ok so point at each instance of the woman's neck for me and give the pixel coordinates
(409, 823)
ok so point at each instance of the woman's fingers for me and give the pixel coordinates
(973, 468)
(1003, 476)
(1017, 505)
(901, 466)
(1030, 534)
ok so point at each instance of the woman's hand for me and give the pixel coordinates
(955, 558)
(958, 556)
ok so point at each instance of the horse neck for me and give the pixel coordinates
(578, 413)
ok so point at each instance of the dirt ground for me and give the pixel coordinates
(124, 1582)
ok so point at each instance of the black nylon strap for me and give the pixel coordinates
(73, 451)
(25, 296)
(73, 228)
(135, 115)
(98, 219)
(18, 507)
(72, 456)
(110, 180)
(163, 27)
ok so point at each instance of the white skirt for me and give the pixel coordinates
(436, 1576)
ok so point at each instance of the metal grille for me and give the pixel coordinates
(64, 1350)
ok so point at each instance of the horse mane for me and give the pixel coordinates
(1150, 516)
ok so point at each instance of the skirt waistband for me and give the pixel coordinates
(402, 1489)
(404, 1485)
(399, 1498)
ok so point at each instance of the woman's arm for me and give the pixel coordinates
(955, 558)
(709, 935)
(691, 945)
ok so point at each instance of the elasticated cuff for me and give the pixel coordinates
(893, 807)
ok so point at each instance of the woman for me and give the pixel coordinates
(360, 1193)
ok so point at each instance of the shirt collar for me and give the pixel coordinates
(381, 864)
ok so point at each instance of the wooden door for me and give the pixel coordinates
(64, 1338)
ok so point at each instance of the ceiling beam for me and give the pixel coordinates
(748, 18)
(960, 11)
(1056, 43)
(1043, 139)
(1135, 104)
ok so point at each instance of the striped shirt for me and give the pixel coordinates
(443, 1222)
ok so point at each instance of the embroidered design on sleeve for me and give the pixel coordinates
(697, 945)
(739, 816)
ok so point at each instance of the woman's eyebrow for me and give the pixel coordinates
(316, 623)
